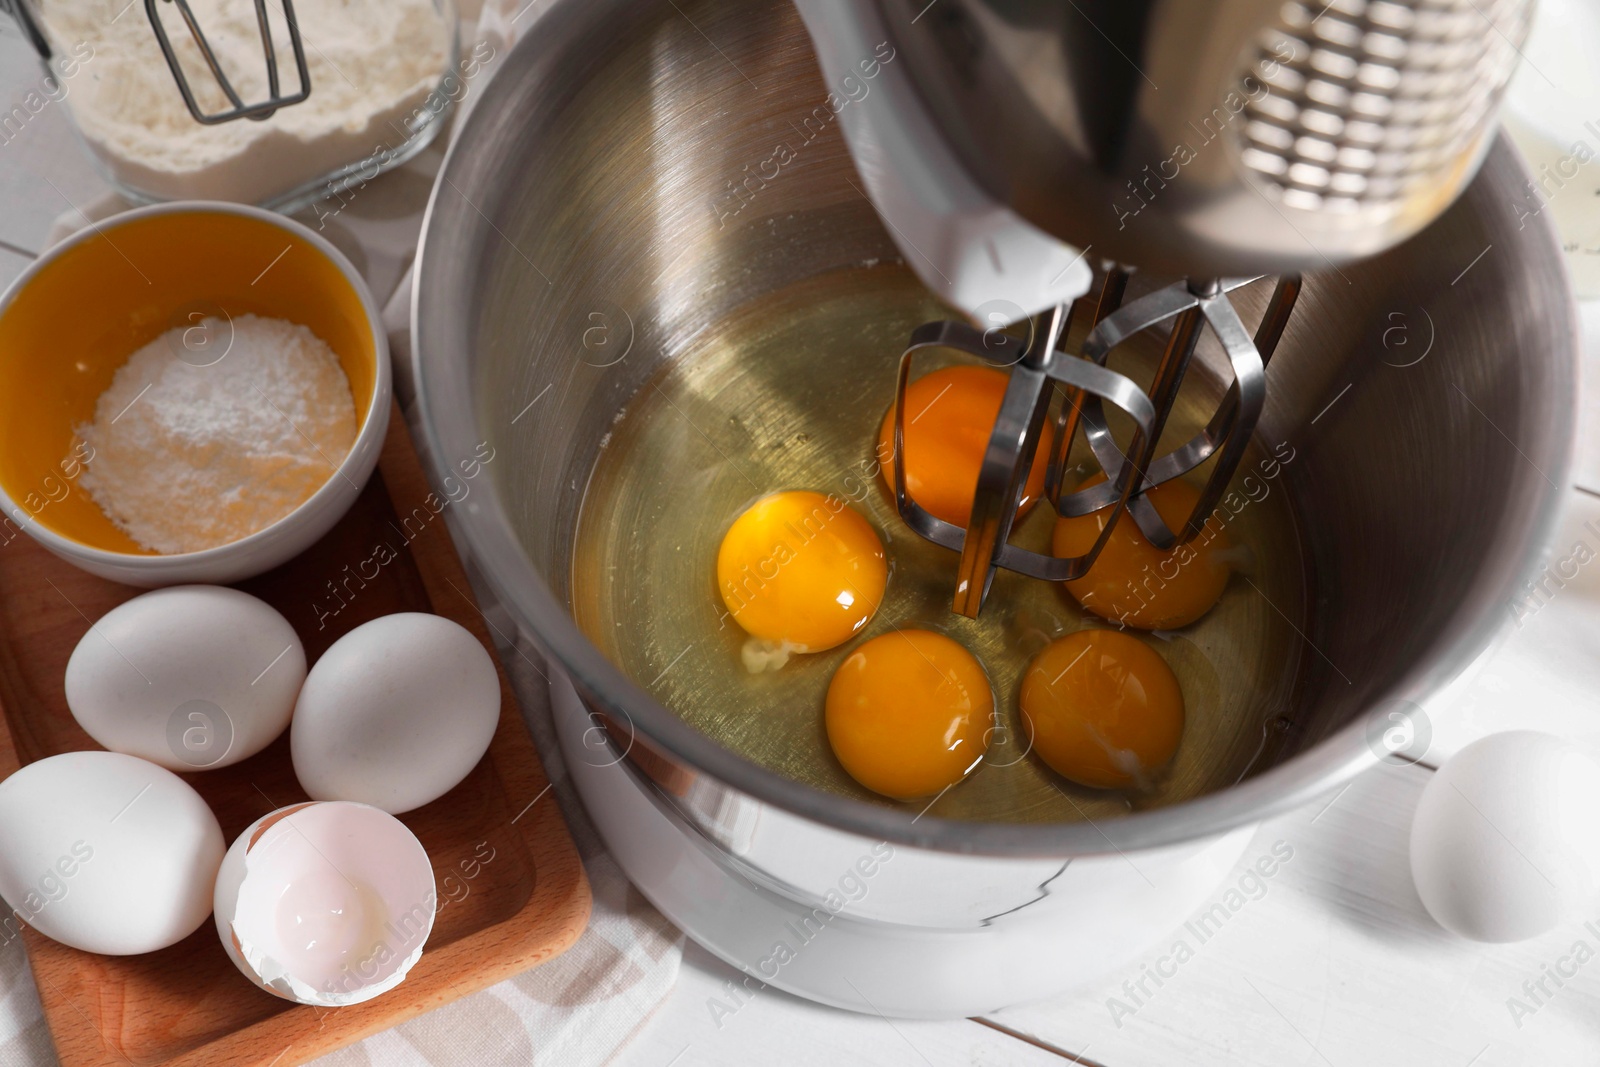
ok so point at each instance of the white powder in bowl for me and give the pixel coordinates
(188, 457)
(372, 63)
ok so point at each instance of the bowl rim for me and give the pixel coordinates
(381, 387)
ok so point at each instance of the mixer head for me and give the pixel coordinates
(1197, 139)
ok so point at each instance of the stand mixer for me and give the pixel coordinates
(1327, 132)
(590, 195)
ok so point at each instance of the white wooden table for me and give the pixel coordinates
(1334, 964)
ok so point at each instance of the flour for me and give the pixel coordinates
(188, 457)
(372, 63)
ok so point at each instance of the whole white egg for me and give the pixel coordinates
(107, 853)
(396, 713)
(190, 676)
(1505, 843)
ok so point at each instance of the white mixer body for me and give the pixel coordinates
(976, 253)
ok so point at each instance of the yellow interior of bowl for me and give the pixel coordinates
(87, 311)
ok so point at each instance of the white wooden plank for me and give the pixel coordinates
(1334, 962)
(43, 169)
(1546, 674)
(774, 1028)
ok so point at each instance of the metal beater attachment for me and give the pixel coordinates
(1039, 364)
(240, 110)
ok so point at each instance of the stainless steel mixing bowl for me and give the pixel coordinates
(642, 169)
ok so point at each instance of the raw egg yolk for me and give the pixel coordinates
(909, 713)
(1134, 583)
(1102, 708)
(801, 570)
(949, 417)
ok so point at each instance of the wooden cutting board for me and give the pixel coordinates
(512, 892)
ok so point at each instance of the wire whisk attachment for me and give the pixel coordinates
(258, 110)
(1040, 365)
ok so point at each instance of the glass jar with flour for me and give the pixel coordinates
(381, 73)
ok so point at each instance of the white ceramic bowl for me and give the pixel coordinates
(89, 303)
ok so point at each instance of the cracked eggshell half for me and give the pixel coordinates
(395, 713)
(325, 903)
(107, 853)
(189, 677)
